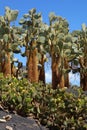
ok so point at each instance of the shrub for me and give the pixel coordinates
(64, 109)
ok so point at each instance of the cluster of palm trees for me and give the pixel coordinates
(68, 50)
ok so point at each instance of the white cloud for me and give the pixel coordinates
(48, 76)
(74, 78)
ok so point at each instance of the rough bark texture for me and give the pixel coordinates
(62, 81)
(83, 73)
(0, 63)
(42, 71)
(84, 83)
(30, 66)
(13, 70)
(7, 66)
(66, 66)
(27, 50)
(33, 65)
(85, 64)
(55, 71)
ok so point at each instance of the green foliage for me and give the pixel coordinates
(62, 108)
(10, 15)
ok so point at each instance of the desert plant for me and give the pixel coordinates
(60, 43)
(60, 108)
(81, 58)
(31, 24)
(8, 39)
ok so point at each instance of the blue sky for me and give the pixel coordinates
(75, 11)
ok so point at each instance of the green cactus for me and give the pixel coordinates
(31, 26)
(60, 43)
(81, 51)
(10, 15)
(8, 37)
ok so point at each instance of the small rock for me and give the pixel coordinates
(1, 107)
(9, 127)
(2, 120)
(7, 117)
